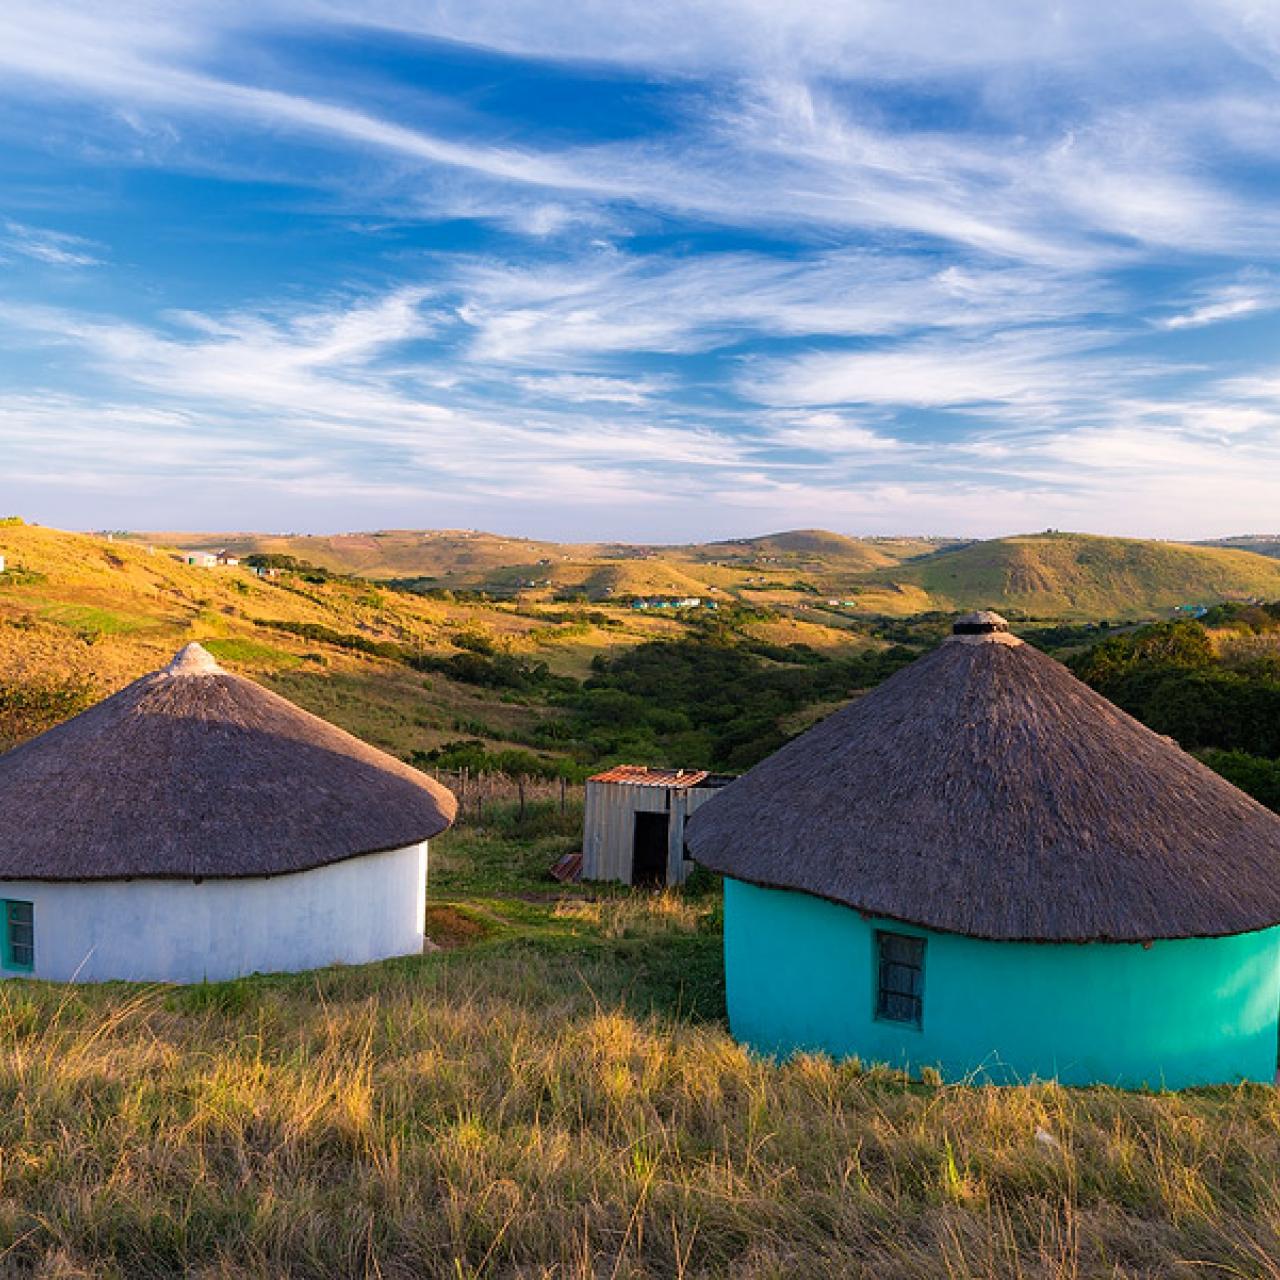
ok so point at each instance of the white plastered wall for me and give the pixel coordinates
(350, 912)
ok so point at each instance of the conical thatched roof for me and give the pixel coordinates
(195, 772)
(984, 790)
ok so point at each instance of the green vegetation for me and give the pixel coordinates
(244, 650)
(1214, 685)
(94, 620)
(1259, 778)
(473, 755)
(1075, 576)
(708, 700)
(1171, 677)
(28, 707)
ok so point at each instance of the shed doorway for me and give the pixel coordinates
(649, 850)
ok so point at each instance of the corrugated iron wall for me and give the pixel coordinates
(683, 803)
(608, 838)
(609, 826)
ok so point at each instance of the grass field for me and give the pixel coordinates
(554, 1094)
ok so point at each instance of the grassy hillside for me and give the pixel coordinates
(1262, 544)
(471, 560)
(1079, 576)
(80, 616)
(78, 608)
(1040, 575)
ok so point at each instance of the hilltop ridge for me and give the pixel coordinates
(1084, 575)
(1051, 574)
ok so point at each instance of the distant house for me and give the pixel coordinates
(201, 559)
(671, 602)
(196, 826)
(226, 558)
(984, 867)
(633, 825)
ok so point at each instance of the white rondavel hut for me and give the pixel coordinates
(196, 826)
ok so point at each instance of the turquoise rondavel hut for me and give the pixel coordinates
(985, 867)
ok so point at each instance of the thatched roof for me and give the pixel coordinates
(985, 791)
(195, 772)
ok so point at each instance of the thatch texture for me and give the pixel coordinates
(195, 772)
(985, 791)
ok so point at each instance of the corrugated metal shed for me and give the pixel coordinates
(634, 822)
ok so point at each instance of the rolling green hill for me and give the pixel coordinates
(81, 615)
(1081, 576)
(1263, 544)
(78, 610)
(473, 560)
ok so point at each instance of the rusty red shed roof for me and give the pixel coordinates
(637, 775)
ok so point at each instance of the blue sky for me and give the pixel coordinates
(645, 270)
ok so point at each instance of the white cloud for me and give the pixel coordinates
(54, 248)
(611, 302)
(1035, 371)
(1248, 296)
(776, 146)
(575, 388)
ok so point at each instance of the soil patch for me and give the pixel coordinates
(449, 927)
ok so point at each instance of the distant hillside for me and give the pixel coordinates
(475, 560)
(81, 615)
(1082, 576)
(819, 546)
(805, 571)
(1263, 544)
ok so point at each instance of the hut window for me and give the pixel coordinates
(19, 935)
(900, 978)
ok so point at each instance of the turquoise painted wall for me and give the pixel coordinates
(801, 975)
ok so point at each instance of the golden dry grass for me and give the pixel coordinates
(515, 1110)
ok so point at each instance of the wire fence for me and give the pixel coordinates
(481, 792)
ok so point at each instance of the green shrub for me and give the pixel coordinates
(1254, 775)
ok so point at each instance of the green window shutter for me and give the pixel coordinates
(19, 936)
(900, 978)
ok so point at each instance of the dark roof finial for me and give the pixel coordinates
(983, 623)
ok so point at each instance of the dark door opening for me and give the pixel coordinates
(649, 850)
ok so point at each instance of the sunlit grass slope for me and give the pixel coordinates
(80, 607)
(1077, 575)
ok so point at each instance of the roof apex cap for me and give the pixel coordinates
(983, 627)
(980, 623)
(193, 660)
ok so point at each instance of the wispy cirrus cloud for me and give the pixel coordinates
(775, 145)
(1216, 303)
(798, 261)
(53, 248)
